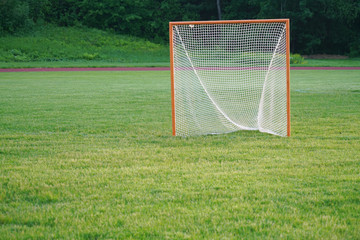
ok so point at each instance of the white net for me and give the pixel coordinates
(228, 77)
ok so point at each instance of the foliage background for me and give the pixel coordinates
(317, 26)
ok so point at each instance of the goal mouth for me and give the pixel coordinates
(230, 75)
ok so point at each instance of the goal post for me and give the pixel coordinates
(230, 75)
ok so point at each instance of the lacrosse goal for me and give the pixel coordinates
(230, 75)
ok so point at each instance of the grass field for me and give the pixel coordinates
(89, 155)
(163, 61)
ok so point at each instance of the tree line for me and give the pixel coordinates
(317, 26)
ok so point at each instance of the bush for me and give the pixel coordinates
(88, 56)
(297, 59)
(355, 49)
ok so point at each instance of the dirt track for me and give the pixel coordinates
(143, 69)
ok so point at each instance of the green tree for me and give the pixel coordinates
(317, 26)
(14, 16)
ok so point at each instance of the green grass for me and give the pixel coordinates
(355, 62)
(80, 63)
(89, 155)
(50, 45)
(350, 62)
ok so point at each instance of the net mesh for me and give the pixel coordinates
(229, 77)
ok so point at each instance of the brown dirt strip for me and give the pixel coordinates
(143, 69)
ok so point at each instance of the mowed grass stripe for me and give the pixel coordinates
(88, 155)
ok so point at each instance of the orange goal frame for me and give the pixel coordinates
(286, 21)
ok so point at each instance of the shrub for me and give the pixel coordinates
(88, 56)
(297, 59)
(355, 49)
